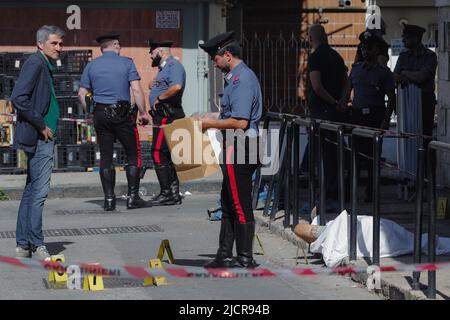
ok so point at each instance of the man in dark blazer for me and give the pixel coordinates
(35, 101)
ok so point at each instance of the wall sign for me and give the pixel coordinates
(168, 19)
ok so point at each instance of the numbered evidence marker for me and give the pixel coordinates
(74, 278)
(158, 280)
(442, 208)
(165, 247)
(58, 278)
(93, 282)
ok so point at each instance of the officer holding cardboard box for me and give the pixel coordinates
(241, 109)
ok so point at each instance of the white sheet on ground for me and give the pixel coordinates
(394, 240)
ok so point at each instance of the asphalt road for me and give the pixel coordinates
(193, 239)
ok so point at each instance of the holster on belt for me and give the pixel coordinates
(119, 111)
(163, 110)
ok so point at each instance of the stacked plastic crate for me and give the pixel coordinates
(10, 65)
(75, 148)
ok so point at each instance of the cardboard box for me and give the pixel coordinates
(191, 150)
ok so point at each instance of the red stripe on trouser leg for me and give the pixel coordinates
(233, 185)
(159, 142)
(138, 147)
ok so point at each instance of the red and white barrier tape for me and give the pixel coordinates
(137, 272)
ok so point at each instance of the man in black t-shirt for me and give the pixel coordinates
(327, 84)
(327, 78)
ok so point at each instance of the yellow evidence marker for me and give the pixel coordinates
(55, 277)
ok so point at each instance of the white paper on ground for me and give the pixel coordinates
(394, 240)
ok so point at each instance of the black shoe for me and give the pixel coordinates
(134, 201)
(175, 189)
(110, 204)
(244, 262)
(175, 185)
(165, 198)
(220, 263)
(165, 176)
(245, 232)
(224, 255)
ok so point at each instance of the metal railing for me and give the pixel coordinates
(375, 136)
(289, 146)
(339, 130)
(433, 147)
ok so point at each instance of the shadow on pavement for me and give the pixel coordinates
(55, 248)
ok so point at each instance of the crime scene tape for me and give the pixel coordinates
(138, 272)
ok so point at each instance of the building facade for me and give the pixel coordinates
(184, 21)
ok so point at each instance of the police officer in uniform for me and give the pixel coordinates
(418, 65)
(241, 109)
(165, 100)
(383, 52)
(110, 78)
(371, 81)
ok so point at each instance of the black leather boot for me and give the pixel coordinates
(175, 186)
(245, 232)
(108, 179)
(165, 197)
(134, 201)
(224, 255)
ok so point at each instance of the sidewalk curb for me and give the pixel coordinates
(96, 191)
(388, 290)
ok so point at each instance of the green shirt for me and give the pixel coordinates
(52, 116)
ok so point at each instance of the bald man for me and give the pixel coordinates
(327, 83)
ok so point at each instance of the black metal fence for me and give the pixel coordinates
(287, 179)
(277, 63)
(280, 63)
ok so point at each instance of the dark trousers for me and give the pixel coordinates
(365, 145)
(236, 193)
(108, 131)
(428, 109)
(160, 150)
(329, 149)
(330, 160)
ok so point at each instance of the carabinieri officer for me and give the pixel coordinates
(241, 109)
(166, 94)
(371, 82)
(110, 77)
(417, 65)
